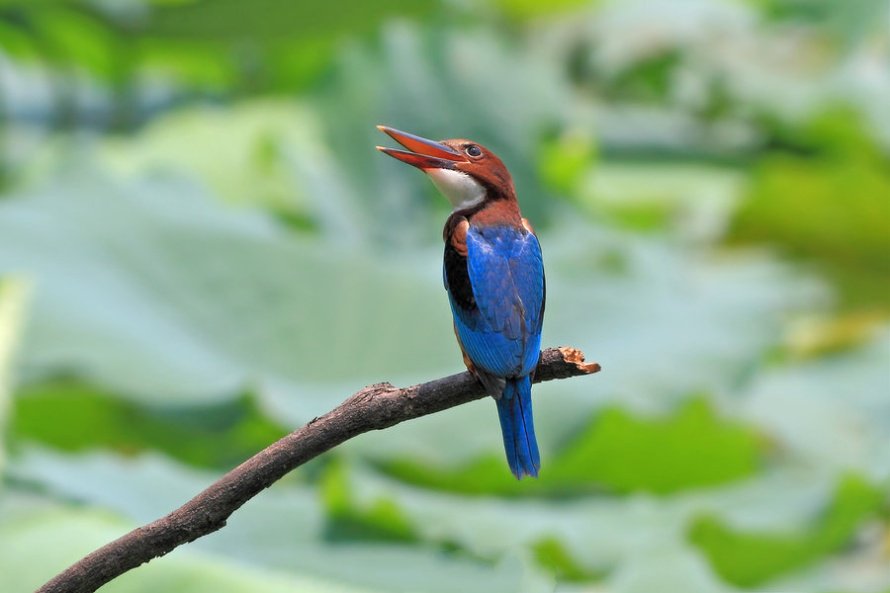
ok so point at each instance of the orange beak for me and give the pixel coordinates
(422, 153)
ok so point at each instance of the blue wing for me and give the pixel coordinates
(501, 331)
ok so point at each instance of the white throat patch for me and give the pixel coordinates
(461, 190)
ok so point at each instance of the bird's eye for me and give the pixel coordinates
(473, 150)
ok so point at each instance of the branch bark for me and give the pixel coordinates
(375, 407)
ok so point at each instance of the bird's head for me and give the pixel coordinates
(465, 172)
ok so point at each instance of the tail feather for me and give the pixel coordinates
(517, 427)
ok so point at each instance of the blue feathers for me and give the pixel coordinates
(517, 427)
(499, 328)
(502, 335)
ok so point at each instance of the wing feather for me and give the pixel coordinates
(501, 334)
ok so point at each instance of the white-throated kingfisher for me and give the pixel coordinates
(494, 276)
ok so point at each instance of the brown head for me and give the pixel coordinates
(464, 171)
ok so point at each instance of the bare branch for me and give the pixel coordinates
(373, 408)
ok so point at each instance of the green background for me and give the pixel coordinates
(200, 250)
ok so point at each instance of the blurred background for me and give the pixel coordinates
(201, 250)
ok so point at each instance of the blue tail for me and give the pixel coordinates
(517, 426)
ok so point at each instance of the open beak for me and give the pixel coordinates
(422, 153)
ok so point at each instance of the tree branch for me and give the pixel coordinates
(373, 408)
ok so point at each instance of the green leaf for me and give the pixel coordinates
(275, 46)
(692, 448)
(853, 230)
(76, 39)
(278, 46)
(691, 200)
(832, 209)
(749, 559)
(618, 452)
(382, 520)
(530, 9)
(565, 160)
(275, 19)
(245, 157)
(70, 415)
(17, 42)
(551, 554)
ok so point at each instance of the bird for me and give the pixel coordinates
(493, 273)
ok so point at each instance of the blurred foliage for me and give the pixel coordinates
(616, 453)
(215, 255)
(13, 296)
(382, 520)
(219, 437)
(750, 559)
(280, 44)
(251, 160)
(832, 207)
